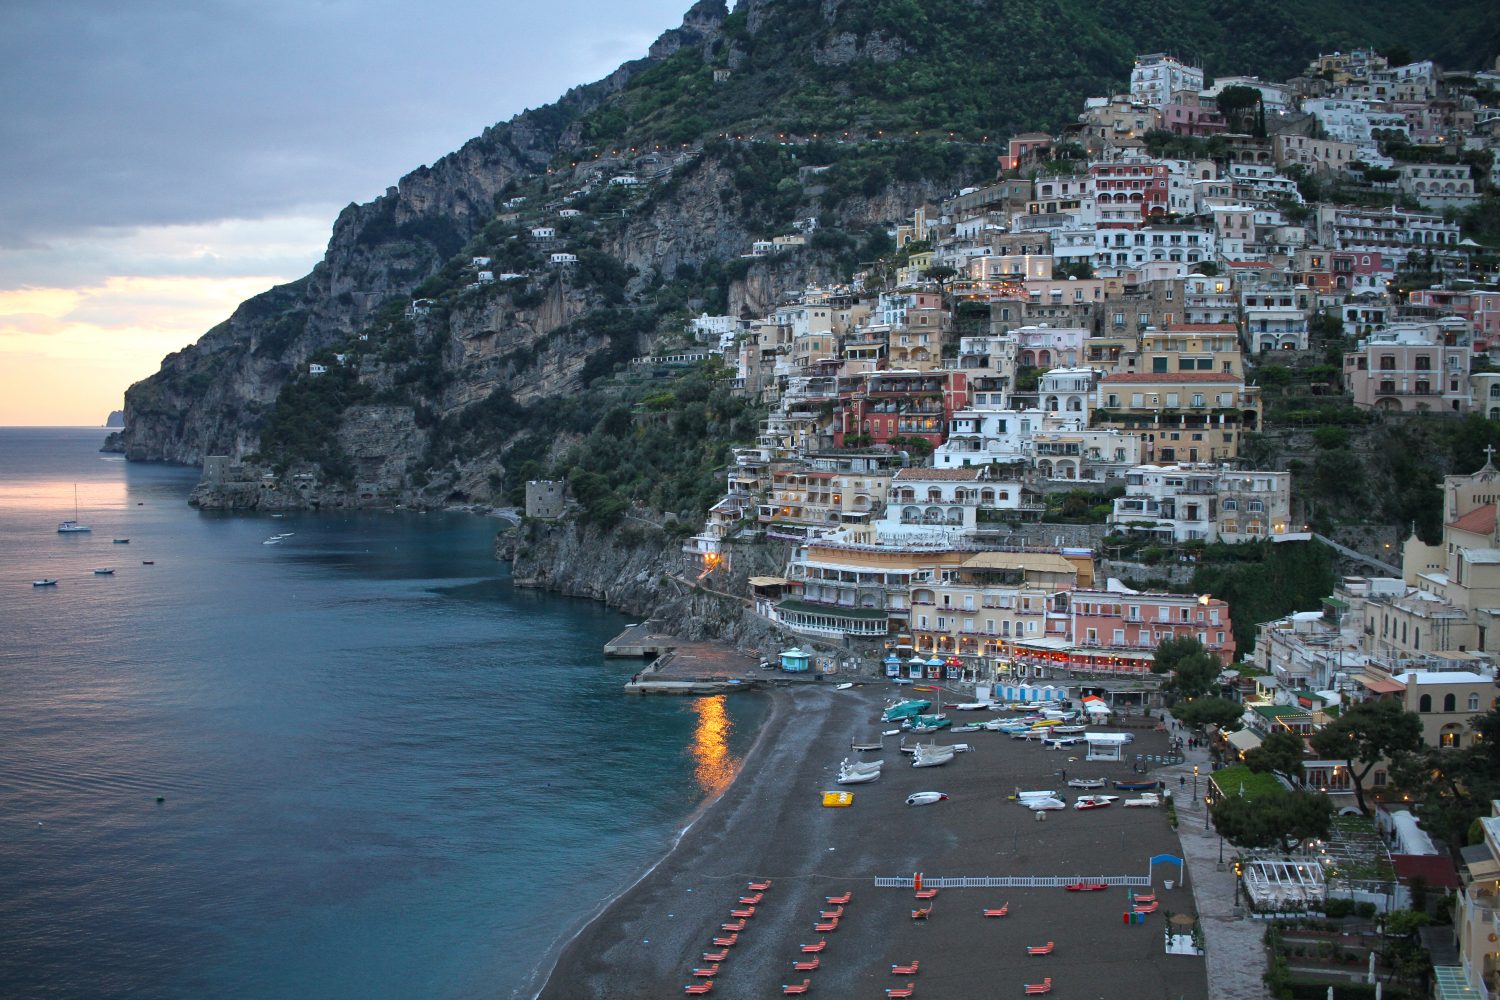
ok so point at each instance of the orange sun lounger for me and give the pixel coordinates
(1040, 949)
(707, 972)
(716, 956)
(926, 893)
(726, 940)
(751, 900)
(795, 988)
(840, 900)
(837, 911)
(699, 988)
(760, 886)
(748, 911)
(1045, 986)
(909, 969)
(806, 964)
(998, 911)
(901, 991)
(813, 949)
(827, 925)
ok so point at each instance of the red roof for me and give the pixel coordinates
(1173, 378)
(1479, 521)
(1434, 869)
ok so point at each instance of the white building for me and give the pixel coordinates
(1211, 503)
(562, 259)
(926, 503)
(1438, 185)
(1156, 77)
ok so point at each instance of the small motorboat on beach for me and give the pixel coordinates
(861, 766)
(1048, 804)
(1040, 793)
(904, 710)
(1086, 782)
(972, 706)
(927, 723)
(844, 686)
(1069, 730)
(1148, 800)
(968, 727)
(935, 758)
(1093, 801)
(924, 798)
(1137, 786)
(865, 747)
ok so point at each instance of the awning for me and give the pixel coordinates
(768, 581)
(1243, 741)
(1380, 685)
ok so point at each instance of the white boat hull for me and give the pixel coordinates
(845, 778)
(924, 798)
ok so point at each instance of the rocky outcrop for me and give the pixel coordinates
(639, 567)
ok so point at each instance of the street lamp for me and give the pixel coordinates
(1195, 782)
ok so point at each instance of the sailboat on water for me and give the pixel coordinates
(73, 527)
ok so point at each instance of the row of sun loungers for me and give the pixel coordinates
(729, 934)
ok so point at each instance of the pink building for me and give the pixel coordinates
(1138, 184)
(1480, 308)
(1412, 368)
(1110, 632)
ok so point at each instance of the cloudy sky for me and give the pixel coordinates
(160, 161)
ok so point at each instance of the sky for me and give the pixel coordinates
(162, 161)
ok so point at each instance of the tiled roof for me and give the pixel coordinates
(1479, 521)
(1173, 378)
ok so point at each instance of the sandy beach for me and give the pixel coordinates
(770, 824)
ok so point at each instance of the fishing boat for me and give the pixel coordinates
(45, 582)
(924, 798)
(122, 541)
(104, 571)
(1069, 730)
(927, 723)
(1060, 742)
(971, 706)
(1137, 786)
(148, 562)
(1086, 782)
(73, 527)
(1093, 801)
(968, 727)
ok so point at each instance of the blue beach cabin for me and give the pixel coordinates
(796, 661)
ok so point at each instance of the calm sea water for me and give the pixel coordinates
(386, 773)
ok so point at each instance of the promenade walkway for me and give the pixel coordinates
(1233, 943)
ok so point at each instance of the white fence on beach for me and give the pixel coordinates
(1011, 881)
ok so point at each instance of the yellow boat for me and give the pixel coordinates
(1044, 723)
(837, 799)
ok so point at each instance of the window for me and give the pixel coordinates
(1424, 703)
(1450, 703)
(1473, 702)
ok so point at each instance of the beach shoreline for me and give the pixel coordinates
(769, 824)
(537, 982)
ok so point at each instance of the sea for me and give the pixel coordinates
(349, 761)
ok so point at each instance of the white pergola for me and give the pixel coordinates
(1285, 886)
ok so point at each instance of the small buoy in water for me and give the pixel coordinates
(160, 799)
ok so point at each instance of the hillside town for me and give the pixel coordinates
(1096, 318)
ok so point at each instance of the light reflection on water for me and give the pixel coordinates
(714, 767)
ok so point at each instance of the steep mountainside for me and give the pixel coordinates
(477, 385)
